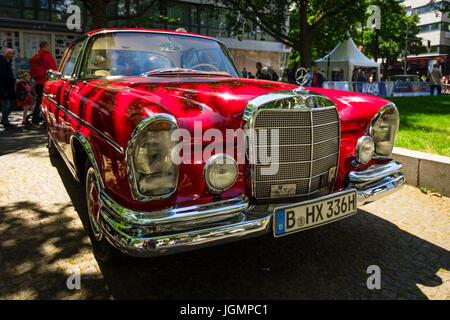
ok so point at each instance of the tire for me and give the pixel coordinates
(103, 250)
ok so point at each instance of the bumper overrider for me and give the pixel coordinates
(147, 234)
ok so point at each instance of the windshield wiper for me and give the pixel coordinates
(164, 71)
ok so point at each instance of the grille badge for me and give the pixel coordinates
(283, 190)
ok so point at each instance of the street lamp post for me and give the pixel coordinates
(405, 64)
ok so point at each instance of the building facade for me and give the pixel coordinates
(24, 23)
(435, 34)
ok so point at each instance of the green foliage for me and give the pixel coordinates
(424, 124)
(330, 31)
(317, 26)
(309, 21)
(392, 35)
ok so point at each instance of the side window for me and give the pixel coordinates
(99, 58)
(69, 65)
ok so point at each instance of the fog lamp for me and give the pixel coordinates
(365, 149)
(220, 173)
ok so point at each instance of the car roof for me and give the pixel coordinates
(106, 30)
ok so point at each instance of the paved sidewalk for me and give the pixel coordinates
(42, 242)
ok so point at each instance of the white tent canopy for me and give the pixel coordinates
(346, 56)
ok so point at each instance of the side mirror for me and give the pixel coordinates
(53, 75)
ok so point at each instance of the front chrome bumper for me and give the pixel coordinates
(147, 234)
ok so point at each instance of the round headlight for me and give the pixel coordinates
(220, 172)
(365, 149)
(383, 129)
(150, 169)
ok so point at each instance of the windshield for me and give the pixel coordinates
(135, 53)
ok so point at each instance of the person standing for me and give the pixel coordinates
(23, 94)
(39, 64)
(435, 76)
(258, 70)
(284, 75)
(444, 85)
(245, 73)
(292, 73)
(275, 76)
(7, 85)
(265, 74)
(318, 78)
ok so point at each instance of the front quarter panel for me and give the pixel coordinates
(355, 112)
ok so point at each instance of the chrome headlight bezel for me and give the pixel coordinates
(227, 159)
(370, 131)
(360, 144)
(142, 129)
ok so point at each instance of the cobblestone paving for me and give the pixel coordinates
(42, 242)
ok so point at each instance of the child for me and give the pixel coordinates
(23, 94)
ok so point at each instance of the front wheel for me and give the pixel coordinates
(103, 250)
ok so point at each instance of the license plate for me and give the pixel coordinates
(313, 213)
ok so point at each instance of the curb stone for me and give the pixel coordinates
(425, 169)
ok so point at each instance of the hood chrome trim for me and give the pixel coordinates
(273, 100)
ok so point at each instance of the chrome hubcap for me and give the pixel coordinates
(93, 203)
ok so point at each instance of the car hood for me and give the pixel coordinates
(216, 102)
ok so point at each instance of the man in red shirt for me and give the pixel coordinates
(46, 62)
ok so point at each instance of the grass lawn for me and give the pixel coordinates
(424, 123)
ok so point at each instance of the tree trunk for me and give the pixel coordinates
(98, 12)
(305, 49)
(305, 36)
(387, 71)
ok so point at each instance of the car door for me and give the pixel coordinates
(69, 81)
(55, 94)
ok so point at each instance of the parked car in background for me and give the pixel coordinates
(409, 85)
(257, 156)
(405, 77)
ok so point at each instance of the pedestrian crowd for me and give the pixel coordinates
(314, 76)
(26, 91)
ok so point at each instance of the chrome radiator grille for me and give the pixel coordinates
(308, 147)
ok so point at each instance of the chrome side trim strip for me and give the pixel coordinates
(86, 124)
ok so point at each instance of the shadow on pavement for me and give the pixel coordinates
(31, 251)
(17, 138)
(324, 263)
